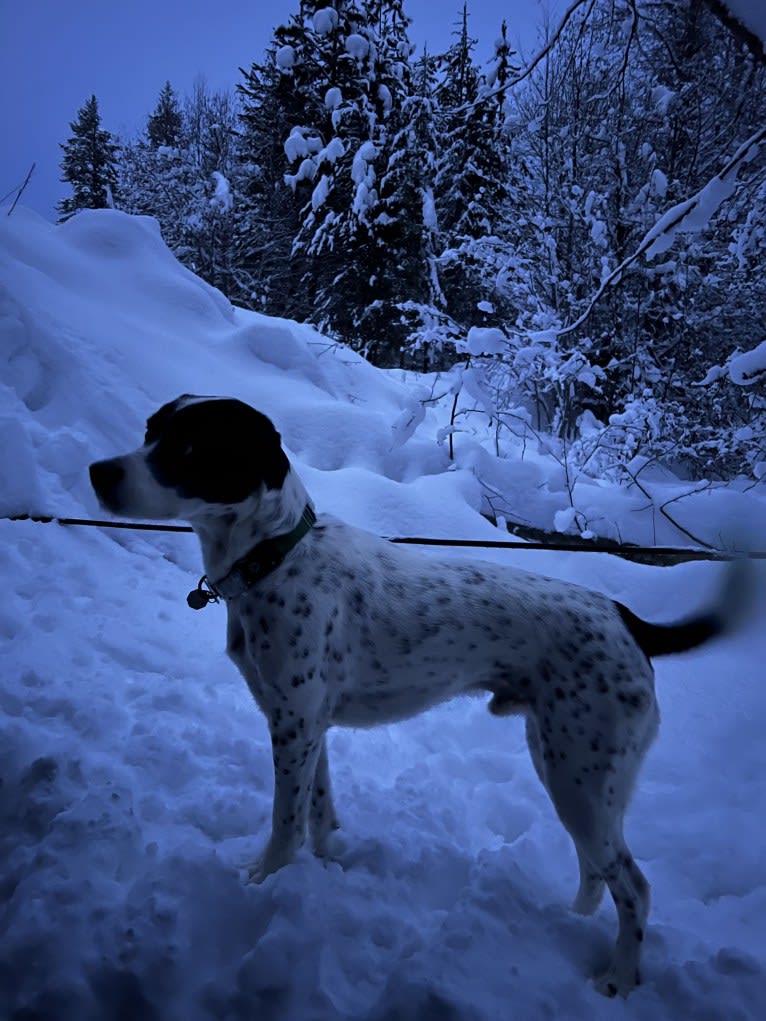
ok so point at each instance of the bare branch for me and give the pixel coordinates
(19, 191)
(634, 479)
(536, 60)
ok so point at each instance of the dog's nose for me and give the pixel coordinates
(105, 476)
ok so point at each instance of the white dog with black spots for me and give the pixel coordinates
(330, 625)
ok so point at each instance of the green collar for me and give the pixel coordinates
(252, 567)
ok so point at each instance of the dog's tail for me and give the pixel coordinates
(728, 612)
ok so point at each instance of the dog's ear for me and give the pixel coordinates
(266, 457)
(157, 422)
(243, 452)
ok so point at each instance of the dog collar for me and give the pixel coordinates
(252, 567)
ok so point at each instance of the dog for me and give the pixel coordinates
(330, 625)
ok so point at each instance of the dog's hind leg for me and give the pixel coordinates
(592, 884)
(595, 825)
(630, 893)
(322, 818)
(589, 785)
(605, 859)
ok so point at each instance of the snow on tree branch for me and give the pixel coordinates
(693, 214)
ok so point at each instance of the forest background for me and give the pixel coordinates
(524, 231)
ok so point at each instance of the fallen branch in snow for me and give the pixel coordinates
(684, 215)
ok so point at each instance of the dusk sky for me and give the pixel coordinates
(54, 55)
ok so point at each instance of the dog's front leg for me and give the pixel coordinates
(296, 750)
(322, 818)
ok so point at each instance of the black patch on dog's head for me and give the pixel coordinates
(219, 450)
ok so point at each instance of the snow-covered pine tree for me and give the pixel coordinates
(89, 163)
(408, 322)
(186, 185)
(474, 188)
(375, 279)
(164, 126)
(273, 98)
(155, 175)
(334, 158)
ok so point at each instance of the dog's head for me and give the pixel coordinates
(197, 451)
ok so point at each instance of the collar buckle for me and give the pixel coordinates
(203, 594)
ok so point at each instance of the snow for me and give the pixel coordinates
(285, 58)
(695, 213)
(430, 218)
(750, 366)
(662, 97)
(357, 46)
(659, 183)
(301, 142)
(320, 192)
(137, 770)
(332, 151)
(333, 98)
(325, 20)
(385, 98)
(486, 340)
(363, 156)
(222, 197)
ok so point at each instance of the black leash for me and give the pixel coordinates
(624, 550)
(138, 526)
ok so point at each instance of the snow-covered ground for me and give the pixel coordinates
(136, 771)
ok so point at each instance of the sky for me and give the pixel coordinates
(54, 56)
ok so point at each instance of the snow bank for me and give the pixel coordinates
(136, 772)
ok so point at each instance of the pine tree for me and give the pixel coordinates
(266, 219)
(89, 164)
(474, 187)
(344, 231)
(326, 95)
(187, 186)
(164, 126)
(408, 320)
(334, 155)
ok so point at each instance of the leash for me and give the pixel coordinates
(688, 553)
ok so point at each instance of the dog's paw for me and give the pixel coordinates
(331, 848)
(255, 871)
(616, 983)
(271, 861)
